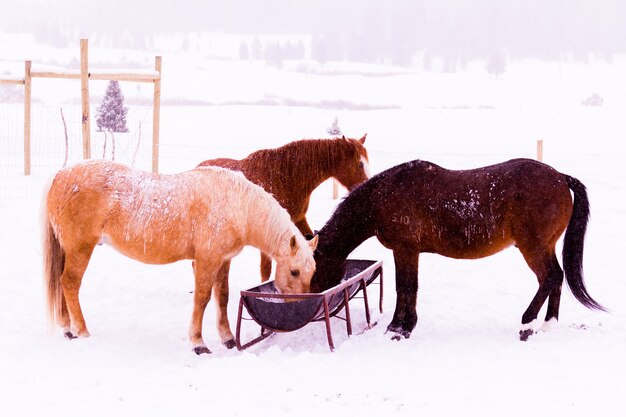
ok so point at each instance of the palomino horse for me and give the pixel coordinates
(291, 173)
(420, 207)
(207, 215)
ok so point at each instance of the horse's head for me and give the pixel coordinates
(355, 168)
(295, 266)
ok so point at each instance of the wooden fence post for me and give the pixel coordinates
(84, 84)
(540, 150)
(156, 115)
(27, 114)
(84, 77)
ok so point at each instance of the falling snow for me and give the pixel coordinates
(464, 357)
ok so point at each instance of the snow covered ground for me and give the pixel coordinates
(464, 358)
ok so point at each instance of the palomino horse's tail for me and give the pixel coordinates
(54, 261)
(574, 243)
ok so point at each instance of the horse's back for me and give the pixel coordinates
(150, 217)
(506, 183)
(232, 164)
(471, 213)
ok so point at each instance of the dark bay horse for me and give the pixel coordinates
(291, 173)
(206, 215)
(420, 207)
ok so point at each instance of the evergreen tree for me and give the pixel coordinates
(334, 130)
(496, 65)
(244, 51)
(112, 113)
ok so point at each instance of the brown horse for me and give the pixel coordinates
(420, 207)
(207, 215)
(291, 173)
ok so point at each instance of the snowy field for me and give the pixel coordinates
(464, 357)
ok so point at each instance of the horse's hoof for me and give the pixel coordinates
(69, 335)
(199, 350)
(399, 333)
(230, 343)
(525, 334)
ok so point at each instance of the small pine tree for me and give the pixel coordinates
(112, 113)
(496, 65)
(334, 130)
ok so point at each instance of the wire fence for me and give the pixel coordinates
(195, 133)
(56, 141)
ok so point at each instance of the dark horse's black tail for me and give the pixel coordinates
(574, 243)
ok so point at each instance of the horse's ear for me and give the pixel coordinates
(293, 245)
(313, 242)
(362, 140)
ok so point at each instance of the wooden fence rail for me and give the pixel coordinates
(84, 76)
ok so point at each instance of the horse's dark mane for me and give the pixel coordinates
(354, 220)
(349, 226)
(306, 158)
(351, 223)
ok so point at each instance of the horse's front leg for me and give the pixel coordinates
(204, 272)
(220, 288)
(266, 267)
(405, 315)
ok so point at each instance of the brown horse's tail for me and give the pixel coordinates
(574, 243)
(54, 262)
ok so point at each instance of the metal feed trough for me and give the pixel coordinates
(276, 312)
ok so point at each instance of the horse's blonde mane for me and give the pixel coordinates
(256, 202)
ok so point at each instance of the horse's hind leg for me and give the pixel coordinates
(75, 265)
(220, 288)
(64, 320)
(554, 300)
(543, 265)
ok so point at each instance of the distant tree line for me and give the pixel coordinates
(274, 52)
(377, 31)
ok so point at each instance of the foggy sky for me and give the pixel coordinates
(461, 29)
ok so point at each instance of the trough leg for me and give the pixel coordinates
(238, 330)
(346, 300)
(265, 333)
(367, 306)
(380, 301)
(327, 320)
